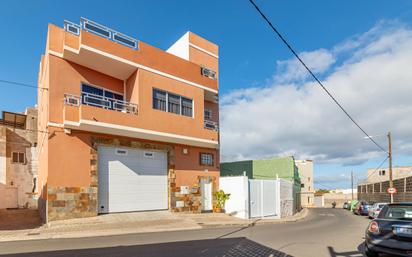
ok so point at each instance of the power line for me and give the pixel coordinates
(312, 74)
(20, 84)
(374, 172)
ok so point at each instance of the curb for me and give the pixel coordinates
(297, 217)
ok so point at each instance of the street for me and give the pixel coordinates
(324, 232)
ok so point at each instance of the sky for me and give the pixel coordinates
(269, 106)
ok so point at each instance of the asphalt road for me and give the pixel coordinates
(324, 232)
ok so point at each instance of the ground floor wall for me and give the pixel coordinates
(72, 180)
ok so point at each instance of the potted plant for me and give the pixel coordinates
(221, 198)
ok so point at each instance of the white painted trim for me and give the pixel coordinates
(150, 134)
(203, 50)
(139, 66)
(55, 53)
(54, 124)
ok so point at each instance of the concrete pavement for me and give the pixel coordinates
(129, 223)
(324, 232)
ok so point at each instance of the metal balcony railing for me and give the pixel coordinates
(100, 30)
(211, 125)
(101, 102)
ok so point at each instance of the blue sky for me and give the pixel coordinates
(249, 52)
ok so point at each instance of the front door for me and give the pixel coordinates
(11, 197)
(206, 191)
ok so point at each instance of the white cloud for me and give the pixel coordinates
(371, 76)
(292, 70)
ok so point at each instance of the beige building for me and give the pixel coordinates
(307, 194)
(18, 159)
(381, 175)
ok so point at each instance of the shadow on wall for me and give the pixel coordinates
(228, 247)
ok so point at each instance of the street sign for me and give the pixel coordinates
(392, 190)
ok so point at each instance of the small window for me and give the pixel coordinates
(173, 103)
(18, 157)
(187, 107)
(121, 151)
(382, 173)
(302, 185)
(208, 114)
(206, 159)
(159, 100)
(149, 155)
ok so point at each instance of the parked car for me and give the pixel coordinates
(375, 209)
(390, 232)
(361, 208)
(346, 205)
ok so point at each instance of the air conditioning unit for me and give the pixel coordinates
(208, 73)
(71, 100)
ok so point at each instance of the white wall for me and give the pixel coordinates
(238, 188)
(181, 47)
(286, 198)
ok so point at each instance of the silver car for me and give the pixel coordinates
(375, 210)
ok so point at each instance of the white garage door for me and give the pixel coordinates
(132, 180)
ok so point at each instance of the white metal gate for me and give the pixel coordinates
(264, 198)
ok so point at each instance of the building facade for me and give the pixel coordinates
(130, 127)
(307, 193)
(380, 175)
(18, 159)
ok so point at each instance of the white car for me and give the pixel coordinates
(375, 210)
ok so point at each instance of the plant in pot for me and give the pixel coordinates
(221, 198)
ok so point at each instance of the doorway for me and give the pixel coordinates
(206, 192)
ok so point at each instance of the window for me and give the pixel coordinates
(149, 155)
(172, 103)
(206, 159)
(18, 157)
(208, 114)
(302, 185)
(100, 97)
(382, 173)
(187, 107)
(121, 151)
(159, 100)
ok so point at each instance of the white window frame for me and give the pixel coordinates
(207, 164)
(167, 103)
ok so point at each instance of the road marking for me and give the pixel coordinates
(327, 214)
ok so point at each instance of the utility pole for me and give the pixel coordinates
(390, 163)
(351, 179)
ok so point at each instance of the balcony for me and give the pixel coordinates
(101, 102)
(212, 125)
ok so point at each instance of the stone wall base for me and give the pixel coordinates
(71, 202)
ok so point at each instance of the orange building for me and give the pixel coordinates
(129, 127)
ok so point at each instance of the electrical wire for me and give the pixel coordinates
(374, 172)
(20, 84)
(313, 75)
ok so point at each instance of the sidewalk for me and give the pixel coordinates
(136, 222)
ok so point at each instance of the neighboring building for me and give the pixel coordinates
(307, 193)
(273, 168)
(131, 127)
(18, 159)
(380, 175)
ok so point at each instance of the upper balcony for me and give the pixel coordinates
(105, 50)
